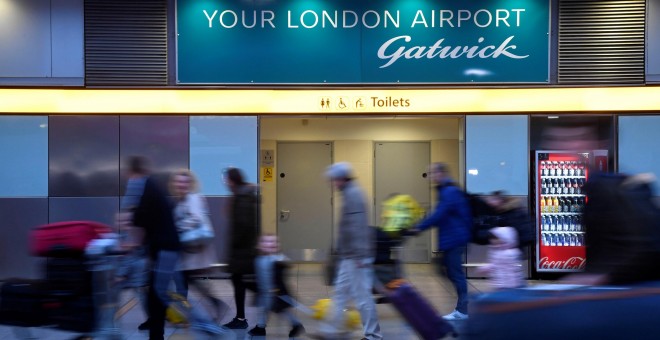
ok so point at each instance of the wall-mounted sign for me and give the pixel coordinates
(348, 41)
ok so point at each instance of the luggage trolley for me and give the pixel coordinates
(77, 280)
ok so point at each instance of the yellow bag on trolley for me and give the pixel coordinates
(400, 212)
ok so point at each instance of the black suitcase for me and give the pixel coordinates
(75, 314)
(69, 276)
(24, 302)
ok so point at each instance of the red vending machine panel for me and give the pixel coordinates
(560, 199)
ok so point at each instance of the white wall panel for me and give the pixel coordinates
(497, 154)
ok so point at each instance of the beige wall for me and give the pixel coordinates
(353, 140)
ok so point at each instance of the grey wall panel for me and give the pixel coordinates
(99, 209)
(19, 216)
(83, 156)
(67, 38)
(220, 224)
(25, 38)
(163, 139)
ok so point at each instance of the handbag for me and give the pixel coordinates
(194, 231)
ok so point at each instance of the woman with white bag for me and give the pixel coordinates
(196, 236)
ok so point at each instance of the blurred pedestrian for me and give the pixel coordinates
(504, 268)
(453, 218)
(269, 268)
(511, 212)
(244, 232)
(191, 211)
(133, 268)
(153, 213)
(620, 217)
(356, 251)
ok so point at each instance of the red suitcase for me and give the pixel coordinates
(419, 313)
(65, 238)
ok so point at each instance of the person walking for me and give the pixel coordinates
(504, 268)
(453, 218)
(270, 268)
(355, 251)
(153, 213)
(191, 208)
(244, 230)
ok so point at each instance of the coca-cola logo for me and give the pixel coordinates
(574, 262)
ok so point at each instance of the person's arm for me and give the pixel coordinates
(451, 197)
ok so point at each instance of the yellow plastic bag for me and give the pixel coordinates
(323, 308)
(400, 212)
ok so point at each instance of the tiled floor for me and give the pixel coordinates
(307, 284)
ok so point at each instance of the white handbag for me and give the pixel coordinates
(194, 230)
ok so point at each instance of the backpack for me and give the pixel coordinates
(485, 217)
(482, 218)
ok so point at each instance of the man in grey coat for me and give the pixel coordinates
(355, 248)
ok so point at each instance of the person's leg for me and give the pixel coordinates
(239, 294)
(239, 321)
(335, 321)
(264, 281)
(264, 272)
(163, 273)
(156, 312)
(205, 290)
(453, 263)
(362, 281)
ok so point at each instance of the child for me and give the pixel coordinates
(504, 266)
(269, 267)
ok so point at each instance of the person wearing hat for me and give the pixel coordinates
(355, 249)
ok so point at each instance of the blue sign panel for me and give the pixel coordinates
(349, 42)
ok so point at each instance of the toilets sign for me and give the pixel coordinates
(362, 42)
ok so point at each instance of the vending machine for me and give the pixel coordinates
(559, 201)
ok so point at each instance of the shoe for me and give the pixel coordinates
(297, 330)
(257, 331)
(237, 323)
(455, 315)
(382, 300)
(144, 326)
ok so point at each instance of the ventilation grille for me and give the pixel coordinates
(126, 42)
(601, 42)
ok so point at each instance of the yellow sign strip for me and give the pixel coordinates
(331, 101)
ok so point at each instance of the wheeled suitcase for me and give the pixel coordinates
(566, 312)
(419, 313)
(65, 239)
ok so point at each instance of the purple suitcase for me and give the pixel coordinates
(419, 313)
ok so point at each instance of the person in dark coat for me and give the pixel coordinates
(511, 212)
(153, 214)
(244, 223)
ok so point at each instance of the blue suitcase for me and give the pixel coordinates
(566, 313)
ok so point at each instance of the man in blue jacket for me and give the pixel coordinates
(453, 218)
